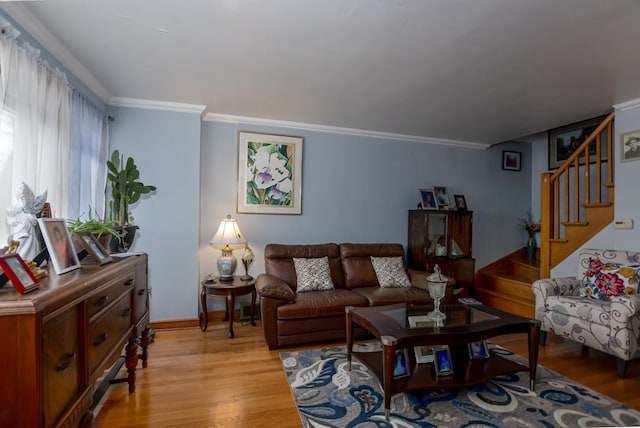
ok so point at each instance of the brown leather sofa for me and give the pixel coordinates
(290, 318)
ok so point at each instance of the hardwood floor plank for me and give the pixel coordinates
(204, 379)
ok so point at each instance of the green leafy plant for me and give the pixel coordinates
(94, 224)
(126, 187)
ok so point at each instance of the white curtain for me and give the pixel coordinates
(89, 151)
(39, 100)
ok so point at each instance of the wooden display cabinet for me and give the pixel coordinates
(443, 238)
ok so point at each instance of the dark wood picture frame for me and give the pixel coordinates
(511, 161)
(443, 362)
(94, 248)
(460, 202)
(563, 141)
(18, 273)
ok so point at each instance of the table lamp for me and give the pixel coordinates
(227, 238)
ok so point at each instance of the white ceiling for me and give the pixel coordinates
(479, 71)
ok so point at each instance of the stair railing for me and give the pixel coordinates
(585, 179)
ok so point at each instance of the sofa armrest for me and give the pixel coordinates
(274, 288)
(624, 335)
(543, 288)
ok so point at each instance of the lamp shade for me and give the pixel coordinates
(228, 236)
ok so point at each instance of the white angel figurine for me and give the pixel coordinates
(22, 218)
(247, 260)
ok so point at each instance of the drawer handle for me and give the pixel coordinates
(101, 301)
(141, 292)
(65, 361)
(100, 339)
(128, 282)
(126, 312)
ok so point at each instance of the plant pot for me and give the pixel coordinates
(123, 244)
(532, 245)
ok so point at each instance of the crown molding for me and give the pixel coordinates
(227, 118)
(157, 105)
(18, 12)
(627, 105)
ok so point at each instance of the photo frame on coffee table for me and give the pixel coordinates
(478, 349)
(424, 354)
(61, 250)
(401, 363)
(18, 273)
(443, 363)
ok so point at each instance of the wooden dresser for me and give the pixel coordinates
(58, 341)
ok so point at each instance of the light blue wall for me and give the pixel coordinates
(166, 147)
(359, 189)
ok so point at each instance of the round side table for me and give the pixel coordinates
(228, 289)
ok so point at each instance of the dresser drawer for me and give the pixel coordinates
(61, 355)
(110, 293)
(108, 330)
(140, 293)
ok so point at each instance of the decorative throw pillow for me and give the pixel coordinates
(313, 274)
(390, 272)
(604, 280)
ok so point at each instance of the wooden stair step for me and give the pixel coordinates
(506, 285)
(509, 304)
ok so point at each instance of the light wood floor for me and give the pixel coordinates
(198, 379)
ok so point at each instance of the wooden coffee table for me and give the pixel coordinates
(464, 324)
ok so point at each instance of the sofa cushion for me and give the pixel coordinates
(604, 280)
(320, 304)
(390, 272)
(378, 296)
(278, 261)
(312, 274)
(356, 262)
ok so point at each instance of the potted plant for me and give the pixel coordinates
(532, 227)
(103, 229)
(126, 189)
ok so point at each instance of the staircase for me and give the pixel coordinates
(576, 203)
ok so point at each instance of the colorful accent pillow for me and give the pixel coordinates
(313, 274)
(390, 272)
(604, 280)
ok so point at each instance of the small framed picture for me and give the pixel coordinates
(424, 354)
(94, 248)
(443, 363)
(478, 349)
(630, 146)
(401, 363)
(18, 273)
(61, 251)
(511, 161)
(460, 202)
(442, 197)
(428, 199)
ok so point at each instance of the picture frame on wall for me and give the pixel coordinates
(563, 141)
(17, 271)
(428, 199)
(630, 146)
(511, 161)
(269, 173)
(94, 248)
(59, 244)
(442, 197)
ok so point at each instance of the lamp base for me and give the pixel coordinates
(227, 264)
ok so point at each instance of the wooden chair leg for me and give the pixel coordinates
(622, 367)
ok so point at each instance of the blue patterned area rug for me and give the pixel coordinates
(328, 395)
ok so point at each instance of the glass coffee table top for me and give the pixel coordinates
(417, 317)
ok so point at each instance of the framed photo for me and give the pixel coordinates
(442, 197)
(478, 349)
(94, 248)
(565, 140)
(443, 363)
(401, 363)
(630, 146)
(61, 251)
(460, 202)
(18, 273)
(421, 321)
(511, 161)
(428, 199)
(424, 354)
(269, 174)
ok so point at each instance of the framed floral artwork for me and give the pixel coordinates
(269, 173)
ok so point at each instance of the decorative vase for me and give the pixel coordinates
(531, 246)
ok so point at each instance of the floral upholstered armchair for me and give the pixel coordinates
(598, 308)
